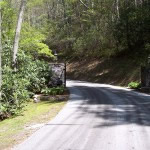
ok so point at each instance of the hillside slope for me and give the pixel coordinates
(118, 71)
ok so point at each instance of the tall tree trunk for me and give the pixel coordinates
(135, 3)
(117, 7)
(17, 35)
(128, 34)
(0, 50)
(64, 9)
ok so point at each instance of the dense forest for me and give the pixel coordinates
(95, 28)
(74, 28)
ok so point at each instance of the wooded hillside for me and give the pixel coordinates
(96, 28)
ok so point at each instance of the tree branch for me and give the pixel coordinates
(84, 4)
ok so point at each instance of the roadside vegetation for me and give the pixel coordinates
(77, 29)
(27, 74)
(134, 85)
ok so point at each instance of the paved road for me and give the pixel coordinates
(97, 117)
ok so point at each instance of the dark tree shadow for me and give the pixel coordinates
(119, 106)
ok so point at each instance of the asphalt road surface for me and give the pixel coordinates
(97, 117)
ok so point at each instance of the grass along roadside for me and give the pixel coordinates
(14, 130)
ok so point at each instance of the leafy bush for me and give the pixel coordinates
(53, 91)
(32, 41)
(37, 72)
(14, 93)
(17, 87)
(134, 85)
(32, 74)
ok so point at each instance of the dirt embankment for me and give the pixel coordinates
(118, 71)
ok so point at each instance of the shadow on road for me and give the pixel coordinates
(114, 106)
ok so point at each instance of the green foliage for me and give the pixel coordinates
(44, 49)
(36, 71)
(32, 74)
(131, 30)
(100, 30)
(14, 92)
(34, 3)
(32, 41)
(17, 87)
(53, 91)
(9, 18)
(134, 85)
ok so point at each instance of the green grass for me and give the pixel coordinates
(35, 113)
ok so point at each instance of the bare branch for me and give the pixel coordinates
(84, 4)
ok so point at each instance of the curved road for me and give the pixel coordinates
(97, 117)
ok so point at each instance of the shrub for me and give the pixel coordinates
(134, 85)
(53, 91)
(17, 87)
(14, 93)
(32, 41)
(37, 72)
(32, 75)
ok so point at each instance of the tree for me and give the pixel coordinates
(17, 34)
